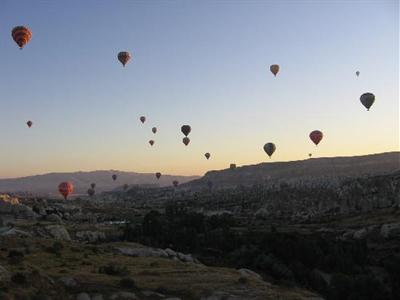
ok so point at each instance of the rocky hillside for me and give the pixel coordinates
(47, 184)
(309, 170)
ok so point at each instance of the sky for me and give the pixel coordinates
(202, 63)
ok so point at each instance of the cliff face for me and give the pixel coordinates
(315, 170)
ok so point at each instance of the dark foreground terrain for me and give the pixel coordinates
(285, 241)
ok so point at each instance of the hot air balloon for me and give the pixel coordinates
(186, 129)
(186, 140)
(316, 136)
(274, 69)
(158, 175)
(269, 148)
(151, 142)
(114, 177)
(207, 155)
(65, 188)
(367, 99)
(21, 35)
(142, 119)
(29, 123)
(93, 185)
(232, 166)
(358, 73)
(309, 155)
(124, 57)
(154, 130)
(91, 192)
(175, 183)
(125, 186)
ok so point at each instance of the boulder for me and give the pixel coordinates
(68, 282)
(83, 296)
(250, 273)
(90, 236)
(123, 295)
(390, 230)
(58, 232)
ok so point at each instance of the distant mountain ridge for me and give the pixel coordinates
(47, 184)
(308, 170)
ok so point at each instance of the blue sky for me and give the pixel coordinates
(203, 63)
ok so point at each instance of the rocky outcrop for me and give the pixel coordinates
(53, 231)
(90, 236)
(389, 231)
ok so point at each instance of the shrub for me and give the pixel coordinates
(127, 283)
(114, 270)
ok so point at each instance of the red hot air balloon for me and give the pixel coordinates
(151, 142)
(65, 188)
(114, 177)
(207, 155)
(21, 35)
(186, 140)
(91, 192)
(175, 183)
(186, 129)
(124, 57)
(158, 175)
(154, 130)
(142, 119)
(316, 136)
(29, 123)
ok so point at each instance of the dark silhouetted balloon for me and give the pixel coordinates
(65, 188)
(142, 119)
(114, 177)
(21, 35)
(158, 175)
(186, 129)
(124, 57)
(207, 155)
(274, 69)
(309, 155)
(151, 142)
(29, 123)
(367, 100)
(93, 185)
(269, 148)
(91, 192)
(154, 130)
(316, 136)
(358, 73)
(186, 140)
(232, 166)
(175, 183)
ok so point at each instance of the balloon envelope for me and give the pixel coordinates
(186, 129)
(93, 185)
(151, 142)
(65, 188)
(274, 69)
(154, 130)
(269, 148)
(175, 183)
(207, 155)
(21, 35)
(367, 99)
(158, 175)
(91, 192)
(142, 119)
(232, 166)
(124, 57)
(114, 177)
(29, 123)
(316, 136)
(186, 140)
(358, 73)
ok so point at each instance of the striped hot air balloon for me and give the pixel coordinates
(21, 35)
